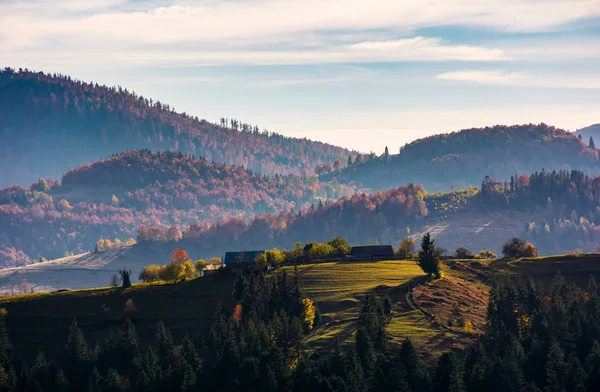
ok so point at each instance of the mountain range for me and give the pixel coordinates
(129, 166)
(461, 159)
(52, 123)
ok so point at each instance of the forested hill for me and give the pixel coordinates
(464, 158)
(113, 197)
(557, 211)
(52, 123)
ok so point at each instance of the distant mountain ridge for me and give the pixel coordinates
(52, 123)
(114, 196)
(460, 159)
(589, 131)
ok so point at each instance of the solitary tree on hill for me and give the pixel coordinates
(125, 277)
(592, 144)
(429, 256)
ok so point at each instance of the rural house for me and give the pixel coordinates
(243, 256)
(373, 252)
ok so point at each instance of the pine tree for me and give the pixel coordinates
(556, 369)
(164, 343)
(592, 144)
(6, 348)
(448, 375)
(113, 381)
(429, 256)
(77, 348)
(386, 155)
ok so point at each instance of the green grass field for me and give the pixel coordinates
(338, 288)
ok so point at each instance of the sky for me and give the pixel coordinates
(363, 74)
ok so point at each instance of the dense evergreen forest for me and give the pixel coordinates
(535, 339)
(52, 123)
(111, 198)
(459, 159)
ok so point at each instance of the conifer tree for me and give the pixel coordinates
(556, 369)
(164, 343)
(592, 144)
(429, 256)
(448, 375)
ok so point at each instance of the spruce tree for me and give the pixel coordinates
(556, 369)
(429, 256)
(592, 144)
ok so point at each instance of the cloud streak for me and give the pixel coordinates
(504, 78)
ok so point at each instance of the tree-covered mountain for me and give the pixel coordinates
(51, 123)
(464, 158)
(113, 197)
(558, 211)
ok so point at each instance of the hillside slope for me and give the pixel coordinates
(431, 316)
(460, 159)
(52, 123)
(113, 197)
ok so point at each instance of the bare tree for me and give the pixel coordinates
(125, 277)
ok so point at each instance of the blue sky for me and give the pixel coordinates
(363, 74)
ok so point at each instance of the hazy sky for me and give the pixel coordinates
(359, 73)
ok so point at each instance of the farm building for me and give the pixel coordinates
(244, 256)
(373, 252)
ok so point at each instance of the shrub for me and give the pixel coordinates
(188, 271)
(260, 261)
(275, 257)
(129, 306)
(170, 272)
(462, 253)
(513, 248)
(200, 265)
(215, 262)
(530, 250)
(317, 250)
(468, 328)
(406, 249)
(486, 254)
(340, 245)
(150, 273)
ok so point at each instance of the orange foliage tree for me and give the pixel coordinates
(179, 256)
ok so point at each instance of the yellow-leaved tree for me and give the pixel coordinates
(309, 314)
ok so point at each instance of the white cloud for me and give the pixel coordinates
(211, 29)
(504, 78)
(425, 50)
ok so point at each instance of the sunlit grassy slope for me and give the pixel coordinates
(338, 288)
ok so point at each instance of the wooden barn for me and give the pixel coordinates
(246, 256)
(373, 252)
